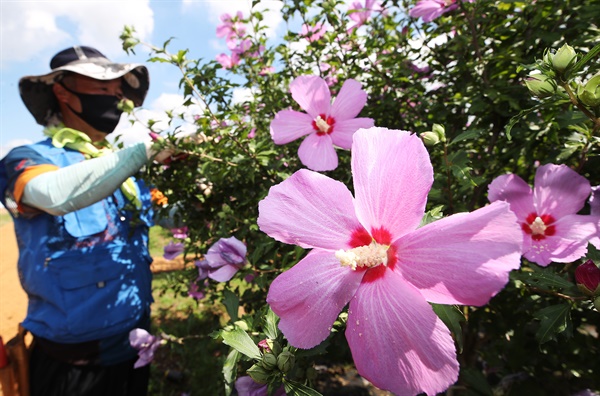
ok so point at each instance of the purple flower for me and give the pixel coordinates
(146, 344)
(246, 386)
(325, 124)
(173, 250)
(552, 231)
(222, 260)
(195, 291)
(180, 233)
(595, 201)
(369, 251)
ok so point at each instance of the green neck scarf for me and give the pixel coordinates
(79, 141)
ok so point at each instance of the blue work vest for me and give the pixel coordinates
(87, 273)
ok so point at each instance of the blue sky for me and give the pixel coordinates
(31, 32)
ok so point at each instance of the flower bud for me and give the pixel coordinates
(126, 105)
(285, 361)
(269, 361)
(429, 138)
(258, 374)
(563, 58)
(275, 346)
(540, 85)
(587, 276)
(589, 94)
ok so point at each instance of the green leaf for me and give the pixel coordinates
(515, 119)
(452, 318)
(240, 340)
(230, 370)
(470, 134)
(476, 382)
(432, 215)
(593, 53)
(543, 278)
(293, 388)
(593, 253)
(232, 304)
(271, 320)
(555, 319)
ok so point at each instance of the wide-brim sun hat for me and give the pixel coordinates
(37, 94)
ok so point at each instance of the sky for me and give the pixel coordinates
(31, 32)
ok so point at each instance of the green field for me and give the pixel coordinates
(4, 218)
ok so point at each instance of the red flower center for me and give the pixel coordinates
(323, 124)
(378, 236)
(539, 227)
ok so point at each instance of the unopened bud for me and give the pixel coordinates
(540, 85)
(259, 374)
(269, 361)
(589, 94)
(429, 138)
(126, 105)
(275, 346)
(587, 276)
(285, 361)
(564, 57)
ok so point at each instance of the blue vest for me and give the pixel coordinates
(87, 273)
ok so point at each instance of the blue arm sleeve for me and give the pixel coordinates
(77, 186)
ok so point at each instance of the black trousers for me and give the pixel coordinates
(52, 377)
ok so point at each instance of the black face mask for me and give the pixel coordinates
(99, 111)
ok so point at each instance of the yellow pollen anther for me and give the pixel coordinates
(322, 124)
(363, 256)
(538, 227)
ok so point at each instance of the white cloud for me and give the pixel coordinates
(38, 29)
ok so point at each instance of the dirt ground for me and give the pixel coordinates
(13, 300)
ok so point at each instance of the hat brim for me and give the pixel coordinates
(37, 94)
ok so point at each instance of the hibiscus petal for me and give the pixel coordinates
(559, 190)
(568, 244)
(476, 249)
(317, 153)
(349, 102)
(312, 94)
(392, 177)
(309, 297)
(224, 273)
(397, 341)
(289, 125)
(309, 210)
(344, 130)
(514, 190)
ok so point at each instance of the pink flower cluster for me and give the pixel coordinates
(234, 32)
(432, 9)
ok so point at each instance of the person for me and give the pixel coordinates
(81, 219)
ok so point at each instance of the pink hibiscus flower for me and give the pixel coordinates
(325, 124)
(228, 61)
(369, 251)
(361, 14)
(313, 33)
(223, 260)
(230, 29)
(552, 231)
(432, 9)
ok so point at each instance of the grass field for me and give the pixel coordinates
(4, 217)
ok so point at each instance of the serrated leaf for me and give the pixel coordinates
(230, 370)
(239, 340)
(554, 319)
(232, 304)
(271, 320)
(452, 318)
(293, 388)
